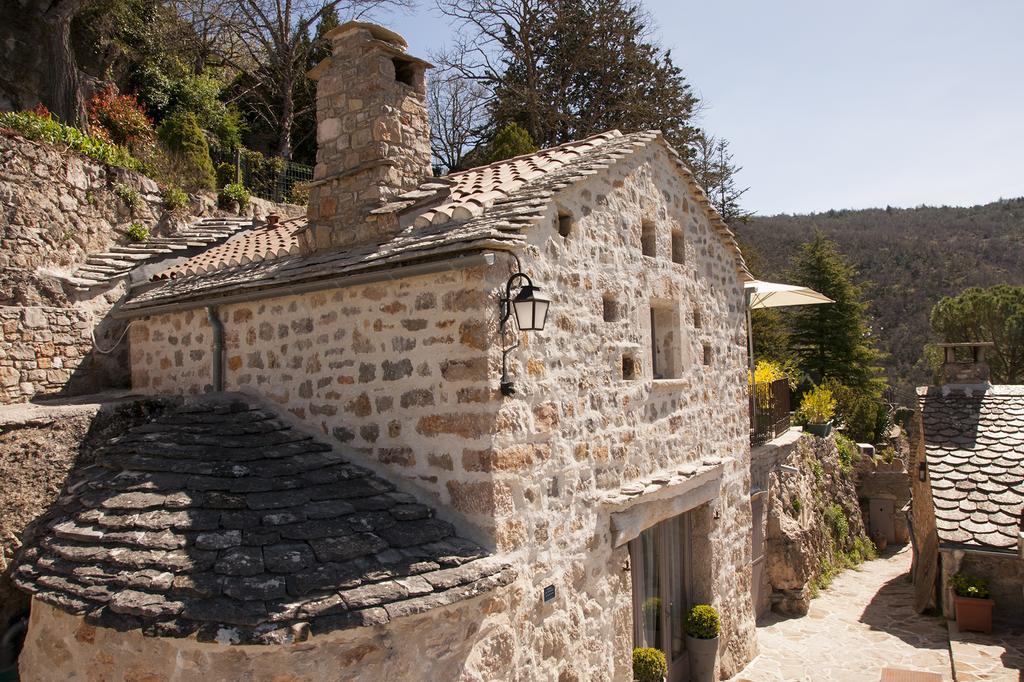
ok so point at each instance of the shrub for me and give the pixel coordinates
(973, 586)
(263, 173)
(182, 135)
(234, 192)
(797, 505)
(864, 550)
(299, 194)
(137, 232)
(128, 195)
(225, 173)
(175, 198)
(835, 517)
(702, 622)
(200, 96)
(818, 470)
(649, 665)
(848, 452)
(864, 414)
(818, 406)
(119, 118)
(40, 126)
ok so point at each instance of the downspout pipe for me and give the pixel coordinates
(218, 348)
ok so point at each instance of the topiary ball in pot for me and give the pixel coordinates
(649, 665)
(702, 622)
(702, 627)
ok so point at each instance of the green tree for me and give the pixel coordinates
(832, 341)
(512, 140)
(567, 69)
(183, 136)
(995, 314)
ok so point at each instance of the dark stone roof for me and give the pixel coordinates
(974, 442)
(217, 518)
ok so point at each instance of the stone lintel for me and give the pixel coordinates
(645, 510)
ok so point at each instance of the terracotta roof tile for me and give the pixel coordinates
(489, 207)
(974, 446)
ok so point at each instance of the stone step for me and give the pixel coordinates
(120, 256)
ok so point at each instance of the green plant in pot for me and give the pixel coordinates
(702, 628)
(817, 409)
(973, 603)
(649, 665)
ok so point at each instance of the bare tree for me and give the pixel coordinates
(499, 32)
(457, 106)
(215, 38)
(275, 39)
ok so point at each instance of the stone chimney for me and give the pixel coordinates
(964, 363)
(373, 138)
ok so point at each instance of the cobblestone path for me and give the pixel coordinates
(862, 623)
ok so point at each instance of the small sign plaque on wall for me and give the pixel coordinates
(549, 593)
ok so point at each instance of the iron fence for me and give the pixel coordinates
(770, 416)
(267, 177)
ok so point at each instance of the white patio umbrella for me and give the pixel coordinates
(776, 295)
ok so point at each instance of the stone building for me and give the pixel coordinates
(578, 501)
(967, 512)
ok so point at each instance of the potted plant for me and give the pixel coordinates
(817, 409)
(649, 665)
(702, 628)
(881, 542)
(973, 603)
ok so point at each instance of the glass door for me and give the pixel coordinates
(659, 559)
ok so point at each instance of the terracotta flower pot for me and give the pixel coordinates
(973, 615)
(703, 655)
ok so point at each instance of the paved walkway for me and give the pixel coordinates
(862, 623)
(998, 657)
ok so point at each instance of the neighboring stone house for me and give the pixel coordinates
(609, 488)
(967, 441)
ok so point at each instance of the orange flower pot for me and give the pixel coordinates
(973, 615)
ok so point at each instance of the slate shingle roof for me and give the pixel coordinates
(974, 444)
(217, 518)
(483, 208)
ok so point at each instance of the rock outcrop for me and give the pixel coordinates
(814, 522)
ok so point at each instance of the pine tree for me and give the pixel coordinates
(996, 315)
(832, 341)
(512, 140)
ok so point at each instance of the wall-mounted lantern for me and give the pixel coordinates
(531, 312)
(922, 471)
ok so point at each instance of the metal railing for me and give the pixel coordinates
(770, 416)
(267, 177)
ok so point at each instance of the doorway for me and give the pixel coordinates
(882, 519)
(660, 558)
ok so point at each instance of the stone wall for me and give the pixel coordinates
(404, 375)
(925, 538)
(800, 543)
(446, 643)
(50, 350)
(878, 479)
(1006, 580)
(58, 208)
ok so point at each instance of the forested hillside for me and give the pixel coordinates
(909, 259)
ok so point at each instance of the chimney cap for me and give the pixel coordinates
(376, 30)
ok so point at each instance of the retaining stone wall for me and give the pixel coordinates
(404, 375)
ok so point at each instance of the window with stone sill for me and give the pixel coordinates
(648, 239)
(609, 308)
(629, 367)
(565, 224)
(666, 341)
(708, 354)
(678, 247)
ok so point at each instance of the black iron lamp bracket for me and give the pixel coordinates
(507, 386)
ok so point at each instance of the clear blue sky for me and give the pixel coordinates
(846, 104)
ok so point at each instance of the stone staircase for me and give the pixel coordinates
(103, 268)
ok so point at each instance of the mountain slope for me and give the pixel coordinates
(909, 258)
